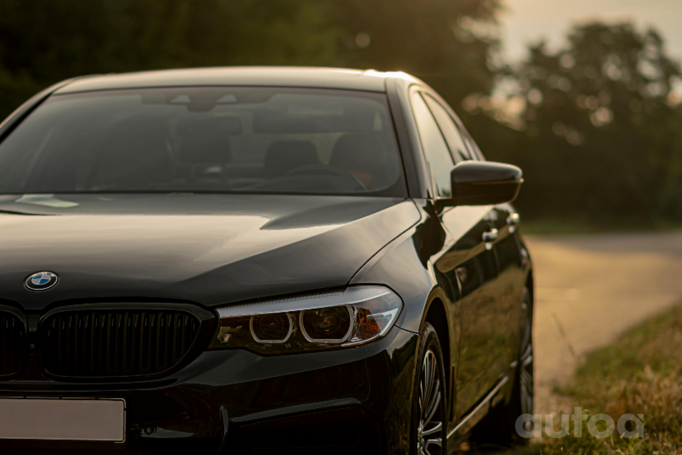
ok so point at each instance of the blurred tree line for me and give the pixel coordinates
(599, 127)
(593, 125)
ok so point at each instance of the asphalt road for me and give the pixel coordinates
(589, 289)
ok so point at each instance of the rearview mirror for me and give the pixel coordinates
(483, 183)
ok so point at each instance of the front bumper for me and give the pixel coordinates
(354, 400)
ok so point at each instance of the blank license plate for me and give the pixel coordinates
(67, 420)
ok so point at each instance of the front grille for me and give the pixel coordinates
(124, 343)
(12, 344)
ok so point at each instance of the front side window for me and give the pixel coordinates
(453, 136)
(219, 139)
(475, 150)
(436, 152)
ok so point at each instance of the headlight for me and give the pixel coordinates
(352, 317)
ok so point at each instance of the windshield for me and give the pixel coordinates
(218, 139)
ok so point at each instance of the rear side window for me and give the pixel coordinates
(452, 134)
(436, 151)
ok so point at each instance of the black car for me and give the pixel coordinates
(257, 260)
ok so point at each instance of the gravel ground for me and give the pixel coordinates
(591, 288)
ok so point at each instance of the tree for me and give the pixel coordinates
(450, 44)
(601, 130)
(44, 42)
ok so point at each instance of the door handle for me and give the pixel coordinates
(489, 237)
(513, 220)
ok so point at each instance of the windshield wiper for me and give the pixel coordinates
(16, 212)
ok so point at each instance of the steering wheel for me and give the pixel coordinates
(318, 169)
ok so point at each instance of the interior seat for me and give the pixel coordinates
(364, 156)
(285, 156)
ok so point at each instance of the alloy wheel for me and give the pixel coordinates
(429, 441)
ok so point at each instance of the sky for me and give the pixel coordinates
(526, 21)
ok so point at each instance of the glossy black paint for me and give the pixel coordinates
(212, 250)
(483, 183)
(208, 249)
(184, 412)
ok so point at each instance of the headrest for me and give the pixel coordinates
(207, 139)
(285, 156)
(363, 153)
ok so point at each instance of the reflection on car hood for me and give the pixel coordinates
(211, 249)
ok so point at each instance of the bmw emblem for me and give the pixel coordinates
(41, 281)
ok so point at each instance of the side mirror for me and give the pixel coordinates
(483, 183)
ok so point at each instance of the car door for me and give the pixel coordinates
(466, 263)
(510, 266)
(485, 350)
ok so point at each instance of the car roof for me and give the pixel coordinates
(333, 78)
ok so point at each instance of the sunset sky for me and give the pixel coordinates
(528, 20)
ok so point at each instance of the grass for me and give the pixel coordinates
(638, 374)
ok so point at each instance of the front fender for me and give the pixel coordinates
(399, 267)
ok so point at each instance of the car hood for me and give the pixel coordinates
(210, 249)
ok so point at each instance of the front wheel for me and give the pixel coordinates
(429, 404)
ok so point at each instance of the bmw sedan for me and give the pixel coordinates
(257, 260)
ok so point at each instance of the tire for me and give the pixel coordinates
(429, 420)
(499, 427)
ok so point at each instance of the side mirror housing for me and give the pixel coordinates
(483, 183)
